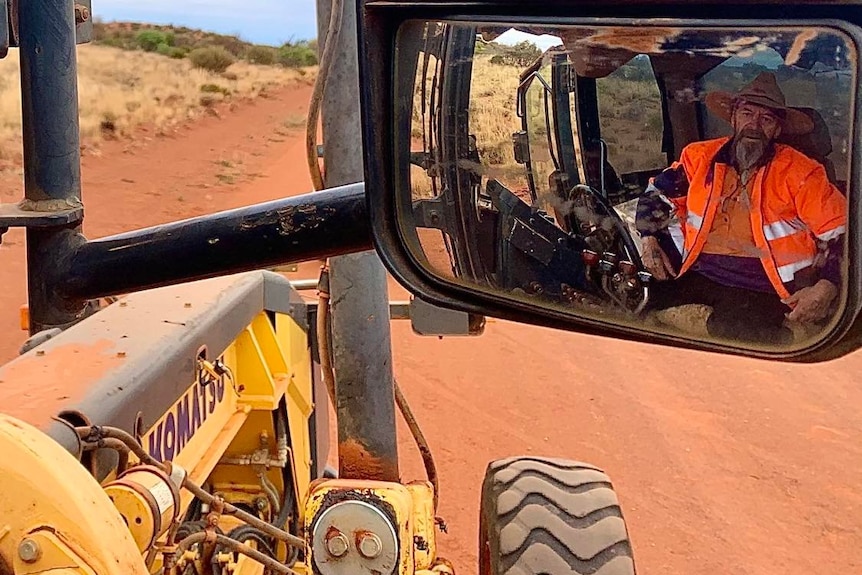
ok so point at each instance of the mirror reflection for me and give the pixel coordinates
(690, 180)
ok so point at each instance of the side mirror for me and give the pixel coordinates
(688, 184)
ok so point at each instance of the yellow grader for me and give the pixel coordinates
(169, 413)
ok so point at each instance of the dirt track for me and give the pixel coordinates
(723, 466)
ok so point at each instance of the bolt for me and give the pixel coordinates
(336, 543)
(187, 304)
(40, 353)
(369, 545)
(121, 354)
(29, 551)
(82, 14)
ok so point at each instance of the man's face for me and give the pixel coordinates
(755, 128)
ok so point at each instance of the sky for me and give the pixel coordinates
(259, 21)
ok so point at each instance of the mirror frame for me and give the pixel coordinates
(381, 62)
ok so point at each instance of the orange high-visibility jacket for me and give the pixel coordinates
(796, 203)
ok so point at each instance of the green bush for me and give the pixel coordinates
(263, 55)
(521, 54)
(212, 58)
(171, 51)
(296, 56)
(150, 40)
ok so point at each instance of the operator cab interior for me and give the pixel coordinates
(531, 187)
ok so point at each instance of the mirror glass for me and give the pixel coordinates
(689, 180)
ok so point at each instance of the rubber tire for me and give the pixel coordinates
(551, 516)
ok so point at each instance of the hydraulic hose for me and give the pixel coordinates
(421, 443)
(237, 547)
(329, 47)
(95, 433)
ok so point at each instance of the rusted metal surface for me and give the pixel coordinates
(357, 462)
(211, 533)
(361, 334)
(799, 44)
(82, 13)
(138, 358)
(84, 25)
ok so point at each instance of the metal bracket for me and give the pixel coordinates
(425, 318)
(10, 34)
(84, 21)
(431, 320)
(429, 213)
(12, 216)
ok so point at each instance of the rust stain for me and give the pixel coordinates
(35, 388)
(798, 46)
(357, 463)
(641, 40)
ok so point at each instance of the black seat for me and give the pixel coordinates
(816, 144)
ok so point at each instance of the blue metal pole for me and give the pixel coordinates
(52, 156)
(49, 95)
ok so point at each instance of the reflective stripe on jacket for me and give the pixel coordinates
(795, 202)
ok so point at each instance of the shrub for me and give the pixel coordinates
(150, 40)
(171, 51)
(211, 58)
(521, 54)
(208, 100)
(261, 55)
(296, 56)
(184, 40)
(232, 44)
(214, 89)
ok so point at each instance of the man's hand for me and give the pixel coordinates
(655, 260)
(812, 303)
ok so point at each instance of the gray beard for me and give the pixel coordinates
(749, 153)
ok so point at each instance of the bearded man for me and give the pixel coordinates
(746, 225)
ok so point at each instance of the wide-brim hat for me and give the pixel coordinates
(762, 91)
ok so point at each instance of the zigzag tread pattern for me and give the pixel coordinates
(571, 476)
(584, 542)
(544, 560)
(552, 461)
(576, 505)
(557, 517)
(577, 500)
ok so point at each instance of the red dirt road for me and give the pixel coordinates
(723, 466)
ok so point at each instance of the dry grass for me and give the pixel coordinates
(493, 119)
(631, 123)
(492, 110)
(119, 91)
